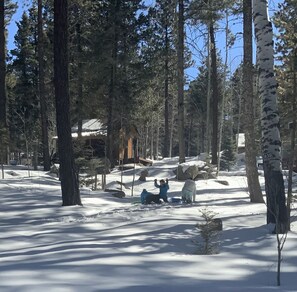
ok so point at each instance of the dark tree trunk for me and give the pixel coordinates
(276, 202)
(68, 175)
(248, 105)
(202, 137)
(79, 104)
(215, 96)
(112, 85)
(180, 72)
(2, 68)
(79, 83)
(293, 137)
(166, 98)
(4, 134)
(41, 89)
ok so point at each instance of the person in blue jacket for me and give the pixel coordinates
(164, 187)
(148, 198)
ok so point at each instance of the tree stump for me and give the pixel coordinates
(143, 175)
(116, 193)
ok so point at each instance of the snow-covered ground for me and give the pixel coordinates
(113, 244)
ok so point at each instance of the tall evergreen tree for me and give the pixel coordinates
(23, 105)
(208, 12)
(180, 80)
(68, 175)
(85, 30)
(164, 46)
(285, 22)
(119, 65)
(166, 90)
(3, 122)
(112, 82)
(228, 155)
(80, 75)
(215, 95)
(248, 100)
(41, 90)
(7, 8)
(197, 106)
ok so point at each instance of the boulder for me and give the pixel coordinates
(189, 172)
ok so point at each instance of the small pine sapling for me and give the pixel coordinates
(209, 232)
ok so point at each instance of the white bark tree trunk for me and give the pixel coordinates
(271, 142)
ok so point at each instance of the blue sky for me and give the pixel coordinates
(12, 28)
(235, 53)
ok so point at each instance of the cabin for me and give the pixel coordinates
(92, 142)
(128, 144)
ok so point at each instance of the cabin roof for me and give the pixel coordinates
(92, 126)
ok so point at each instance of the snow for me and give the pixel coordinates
(114, 244)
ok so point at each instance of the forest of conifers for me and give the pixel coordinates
(125, 62)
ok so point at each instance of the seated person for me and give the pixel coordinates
(148, 198)
(164, 187)
(189, 191)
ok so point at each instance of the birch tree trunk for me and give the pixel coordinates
(271, 143)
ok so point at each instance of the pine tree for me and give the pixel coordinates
(248, 105)
(228, 157)
(24, 104)
(284, 20)
(3, 122)
(41, 90)
(209, 12)
(7, 8)
(162, 18)
(180, 80)
(119, 65)
(197, 107)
